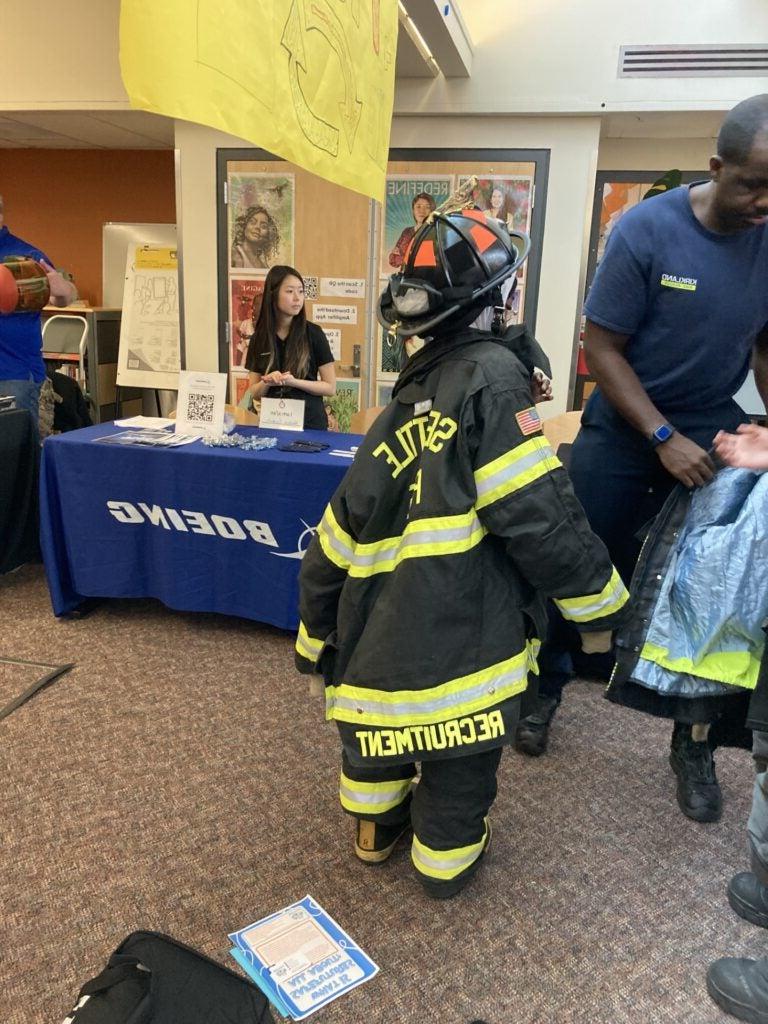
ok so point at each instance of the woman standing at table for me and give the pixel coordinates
(287, 353)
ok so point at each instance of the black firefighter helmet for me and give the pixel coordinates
(452, 264)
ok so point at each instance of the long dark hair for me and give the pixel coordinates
(265, 331)
(269, 246)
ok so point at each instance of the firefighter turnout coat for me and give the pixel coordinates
(422, 594)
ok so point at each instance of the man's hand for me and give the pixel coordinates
(62, 291)
(541, 387)
(597, 643)
(748, 448)
(686, 461)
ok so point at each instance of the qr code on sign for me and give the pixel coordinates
(200, 407)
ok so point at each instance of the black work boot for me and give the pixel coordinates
(698, 791)
(749, 898)
(375, 842)
(740, 987)
(533, 730)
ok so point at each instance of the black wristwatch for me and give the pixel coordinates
(661, 434)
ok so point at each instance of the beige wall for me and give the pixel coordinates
(550, 56)
(573, 144)
(530, 58)
(654, 154)
(61, 56)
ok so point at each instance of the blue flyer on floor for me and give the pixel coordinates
(300, 958)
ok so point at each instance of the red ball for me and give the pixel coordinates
(9, 290)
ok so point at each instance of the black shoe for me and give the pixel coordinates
(533, 731)
(698, 791)
(749, 898)
(374, 842)
(740, 987)
(448, 889)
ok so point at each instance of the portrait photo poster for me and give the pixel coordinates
(261, 219)
(245, 294)
(408, 200)
(507, 197)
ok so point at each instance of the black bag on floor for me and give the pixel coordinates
(153, 979)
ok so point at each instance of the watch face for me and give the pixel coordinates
(663, 432)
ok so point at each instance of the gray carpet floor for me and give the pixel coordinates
(181, 778)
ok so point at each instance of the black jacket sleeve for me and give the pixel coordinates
(323, 573)
(525, 497)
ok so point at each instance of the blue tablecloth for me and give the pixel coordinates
(202, 529)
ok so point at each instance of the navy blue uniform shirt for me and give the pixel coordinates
(21, 340)
(692, 301)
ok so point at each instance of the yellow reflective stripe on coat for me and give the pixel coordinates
(735, 668)
(445, 864)
(455, 698)
(514, 470)
(610, 600)
(421, 538)
(336, 543)
(372, 797)
(307, 646)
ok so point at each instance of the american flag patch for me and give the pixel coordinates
(528, 421)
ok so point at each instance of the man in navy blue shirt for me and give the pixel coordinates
(22, 370)
(678, 308)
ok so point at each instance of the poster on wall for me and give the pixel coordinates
(238, 385)
(391, 353)
(148, 350)
(506, 197)
(261, 213)
(344, 404)
(618, 197)
(245, 303)
(384, 391)
(408, 202)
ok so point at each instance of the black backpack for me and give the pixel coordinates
(153, 979)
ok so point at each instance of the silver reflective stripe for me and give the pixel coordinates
(394, 795)
(338, 546)
(443, 862)
(426, 706)
(518, 467)
(591, 609)
(413, 538)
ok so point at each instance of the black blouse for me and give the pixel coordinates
(320, 354)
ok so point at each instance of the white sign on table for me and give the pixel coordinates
(333, 314)
(200, 408)
(282, 413)
(349, 287)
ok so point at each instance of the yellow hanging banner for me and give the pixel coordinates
(311, 81)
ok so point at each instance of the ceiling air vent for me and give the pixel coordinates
(693, 61)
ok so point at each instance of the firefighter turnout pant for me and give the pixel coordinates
(448, 810)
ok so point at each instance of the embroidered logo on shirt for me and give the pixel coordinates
(528, 421)
(686, 284)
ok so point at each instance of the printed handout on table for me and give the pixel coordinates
(201, 403)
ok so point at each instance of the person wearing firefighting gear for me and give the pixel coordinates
(422, 594)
